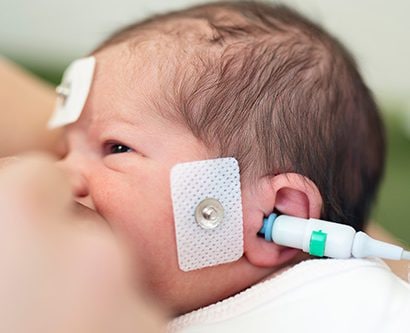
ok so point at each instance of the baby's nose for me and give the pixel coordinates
(77, 179)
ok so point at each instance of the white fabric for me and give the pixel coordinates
(191, 183)
(323, 295)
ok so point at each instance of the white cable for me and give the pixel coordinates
(405, 255)
(365, 246)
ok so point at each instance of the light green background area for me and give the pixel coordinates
(393, 206)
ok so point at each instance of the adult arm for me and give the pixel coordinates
(26, 104)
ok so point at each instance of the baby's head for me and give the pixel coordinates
(256, 82)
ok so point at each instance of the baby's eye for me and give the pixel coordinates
(117, 148)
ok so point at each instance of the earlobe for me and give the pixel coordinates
(262, 253)
(290, 194)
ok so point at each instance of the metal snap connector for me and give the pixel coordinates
(209, 213)
(63, 91)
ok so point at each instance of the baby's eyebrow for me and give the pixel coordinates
(117, 129)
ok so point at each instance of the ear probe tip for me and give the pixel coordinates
(266, 229)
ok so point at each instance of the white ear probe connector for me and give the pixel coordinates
(327, 239)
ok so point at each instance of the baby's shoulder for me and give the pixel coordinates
(363, 280)
(347, 295)
(316, 295)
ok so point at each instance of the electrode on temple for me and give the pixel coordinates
(72, 93)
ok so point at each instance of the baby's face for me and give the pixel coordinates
(120, 153)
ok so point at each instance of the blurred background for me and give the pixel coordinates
(44, 36)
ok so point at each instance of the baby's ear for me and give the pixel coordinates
(288, 193)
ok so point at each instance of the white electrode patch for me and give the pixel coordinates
(73, 92)
(206, 197)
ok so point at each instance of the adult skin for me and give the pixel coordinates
(25, 107)
(63, 270)
(26, 104)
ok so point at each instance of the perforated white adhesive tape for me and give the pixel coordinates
(73, 92)
(206, 197)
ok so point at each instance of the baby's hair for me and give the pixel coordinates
(265, 85)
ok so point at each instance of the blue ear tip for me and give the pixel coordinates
(262, 231)
(266, 229)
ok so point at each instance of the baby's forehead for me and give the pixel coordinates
(128, 84)
(152, 67)
(148, 60)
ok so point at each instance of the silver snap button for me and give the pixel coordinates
(63, 91)
(209, 213)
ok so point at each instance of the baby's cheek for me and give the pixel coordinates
(107, 197)
(138, 206)
(137, 209)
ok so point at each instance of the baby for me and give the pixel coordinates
(248, 80)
